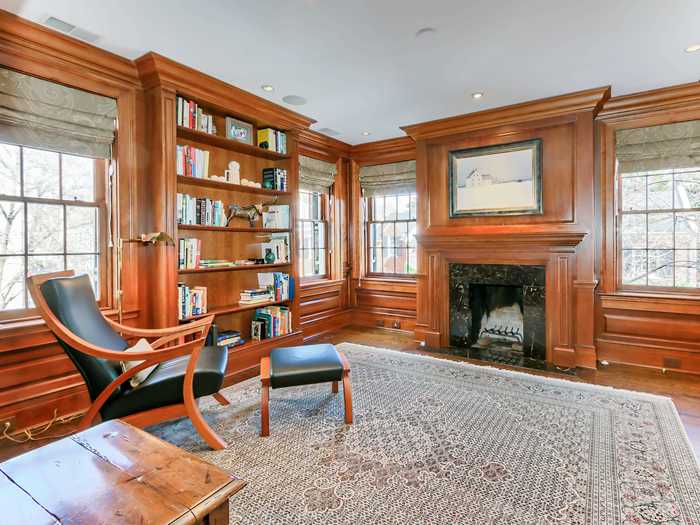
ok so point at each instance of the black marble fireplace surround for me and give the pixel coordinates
(514, 335)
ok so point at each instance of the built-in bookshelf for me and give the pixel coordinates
(230, 244)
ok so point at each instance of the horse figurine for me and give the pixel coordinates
(252, 212)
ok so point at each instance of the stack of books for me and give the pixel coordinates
(189, 254)
(214, 263)
(255, 296)
(272, 139)
(274, 179)
(192, 162)
(192, 300)
(278, 285)
(228, 338)
(271, 321)
(193, 210)
(190, 115)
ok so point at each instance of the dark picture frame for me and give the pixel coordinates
(504, 179)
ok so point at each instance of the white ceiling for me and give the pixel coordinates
(361, 67)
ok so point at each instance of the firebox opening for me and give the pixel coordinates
(497, 320)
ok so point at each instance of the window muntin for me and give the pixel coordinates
(312, 235)
(52, 217)
(659, 229)
(390, 235)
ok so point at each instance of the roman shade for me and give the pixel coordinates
(670, 146)
(315, 175)
(398, 178)
(42, 114)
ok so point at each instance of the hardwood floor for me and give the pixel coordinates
(684, 389)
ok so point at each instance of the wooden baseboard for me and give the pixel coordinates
(319, 325)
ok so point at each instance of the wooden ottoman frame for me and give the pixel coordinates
(265, 393)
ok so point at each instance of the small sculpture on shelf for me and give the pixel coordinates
(233, 173)
(252, 212)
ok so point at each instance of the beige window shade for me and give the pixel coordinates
(42, 114)
(397, 178)
(671, 146)
(315, 175)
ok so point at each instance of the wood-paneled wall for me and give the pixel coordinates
(324, 304)
(378, 302)
(36, 377)
(660, 330)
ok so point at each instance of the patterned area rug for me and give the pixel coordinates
(439, 442)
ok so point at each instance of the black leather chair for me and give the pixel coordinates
(303, 365)
(185, 368)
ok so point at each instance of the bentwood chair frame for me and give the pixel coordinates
(167, 343)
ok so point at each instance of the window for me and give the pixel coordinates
(391, 230)
(313, 227)
(52, 217)
(659, 228)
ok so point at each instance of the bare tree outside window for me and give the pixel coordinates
(50, 217)
(659, 229)
(391, 234)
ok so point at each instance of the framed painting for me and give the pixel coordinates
(505, 179)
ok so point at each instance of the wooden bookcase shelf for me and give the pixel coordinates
(208, 183)
(228, 144)
(204, 227)
(234, 308)
(243, 267)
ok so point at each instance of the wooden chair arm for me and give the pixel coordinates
(158, 332)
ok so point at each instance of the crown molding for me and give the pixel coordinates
(384, 151)
(23, 42)
(315, 144)
(588, 100)
(500, 239)
(655, 100)
(158, 71)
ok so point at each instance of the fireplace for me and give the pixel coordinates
(497, 313)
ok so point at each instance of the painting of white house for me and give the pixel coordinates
(502, 179)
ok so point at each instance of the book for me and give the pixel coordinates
(274, 179)
(189, 253)
(192, 300)
(278, 245)
(190, 115)
(273, 140)
(202, 211)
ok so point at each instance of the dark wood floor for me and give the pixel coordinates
(684, 389)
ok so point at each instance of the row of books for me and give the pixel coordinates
(274, 179)
(195, 210)
(189, 254)
(190, 115)
(271, 321)
(192, 300)
(273, 140)
(192, 162)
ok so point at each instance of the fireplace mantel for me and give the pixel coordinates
(555, 249)
(481, 239)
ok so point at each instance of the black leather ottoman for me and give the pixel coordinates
(303, 365)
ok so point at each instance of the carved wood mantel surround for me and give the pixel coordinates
(562, 238)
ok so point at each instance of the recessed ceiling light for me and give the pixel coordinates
(366, 133)
(477, 95)
(693, 48)
(267, 87)
(425, 31)
(294, 100)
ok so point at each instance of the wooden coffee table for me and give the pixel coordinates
(113, 473)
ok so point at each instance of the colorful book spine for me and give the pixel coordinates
(190, 115)
(192, 301)
(192, 162)
(273, 140)
(202, 211)
(189, 254)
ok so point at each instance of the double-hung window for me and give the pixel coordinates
(390, 235)
(312, 237)
(53, 216)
